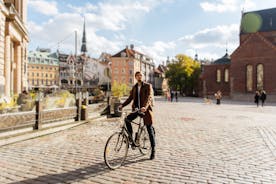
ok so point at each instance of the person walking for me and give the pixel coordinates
(218, 96)
(172, 95)
(176, 96)
(141, 97)
(257, 98)
(263, 97)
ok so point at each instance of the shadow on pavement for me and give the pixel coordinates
(81, 173)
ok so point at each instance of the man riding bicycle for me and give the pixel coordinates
(141, 94)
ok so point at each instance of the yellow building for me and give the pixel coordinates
(13, 47)
(43, 69)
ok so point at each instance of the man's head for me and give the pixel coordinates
(138, 76)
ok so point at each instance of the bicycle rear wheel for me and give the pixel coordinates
(144, 142)
(116, 149)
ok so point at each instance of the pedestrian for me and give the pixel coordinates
(172, 95)
(176, 96)
(218, 96)
(257, 98)
(141, 97)
(263, 97)
(168, 95)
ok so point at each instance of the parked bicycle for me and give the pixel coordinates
(117, 145)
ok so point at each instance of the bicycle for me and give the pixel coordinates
(117, 145)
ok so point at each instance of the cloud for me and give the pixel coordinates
(109, 16)
(158, 50)
(220, 6)
(44, 7)
(217, 36)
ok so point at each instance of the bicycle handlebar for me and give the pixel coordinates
(135, 110)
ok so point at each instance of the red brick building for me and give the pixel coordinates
(253, 63)
(215, 76)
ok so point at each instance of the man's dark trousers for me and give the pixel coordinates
(150, 128)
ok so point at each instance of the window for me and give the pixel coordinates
(226, 75)
(42, 81)
(46, 75)
(218, 75)
(37, 74)
(249, 78)
(33, 74)
(260, 76)
(130, 72)
(130, 80)
(51, 75)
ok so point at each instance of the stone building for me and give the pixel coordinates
(43, 69)
(13, 47)
(252, 65)
(126, 62)
(160, 85)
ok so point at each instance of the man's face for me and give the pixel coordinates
(138, 77)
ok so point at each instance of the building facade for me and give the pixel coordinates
(253, 64)
(128, 61)
(13, 47)
(215, 76)
(43, 69)
(71, 71)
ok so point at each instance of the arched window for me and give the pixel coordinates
(218, 75)
(260, 76)
(249, 78)
(226, 75)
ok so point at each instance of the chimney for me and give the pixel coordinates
(131, 46)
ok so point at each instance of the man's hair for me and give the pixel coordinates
(136, 73)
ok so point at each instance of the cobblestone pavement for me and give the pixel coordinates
(196, 143)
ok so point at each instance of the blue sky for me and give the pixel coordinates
(158, 28)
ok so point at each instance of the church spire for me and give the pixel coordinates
(83, 45)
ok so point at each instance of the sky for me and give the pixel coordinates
(157, 28)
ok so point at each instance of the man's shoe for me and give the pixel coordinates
(152, 156)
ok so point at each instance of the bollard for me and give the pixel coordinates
(38, 110)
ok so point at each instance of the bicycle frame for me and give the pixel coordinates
(137, 134)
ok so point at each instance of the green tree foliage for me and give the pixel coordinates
(184, 74)
(119, 90)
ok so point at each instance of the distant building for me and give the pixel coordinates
(215, 76)
(43, 69)
(13, 47)
(252, 65)
(128, 61)
(71, 71)
(160, 85)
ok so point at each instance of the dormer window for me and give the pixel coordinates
(123, 54)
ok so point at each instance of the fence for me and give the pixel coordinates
(43, 118)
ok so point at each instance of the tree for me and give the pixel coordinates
(119, 90)
(184, 74)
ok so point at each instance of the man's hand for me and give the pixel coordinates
(143, 109)
(120, 107)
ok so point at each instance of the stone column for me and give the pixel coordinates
(7, 65)
(18, 80)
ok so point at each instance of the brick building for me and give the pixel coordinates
(126, 62)
(13, 46)
(43, 69)
(215, 76)
(253, 63)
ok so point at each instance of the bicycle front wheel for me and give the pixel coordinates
(116, 149)
(144, 142)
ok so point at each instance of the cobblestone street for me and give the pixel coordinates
(196, 143)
